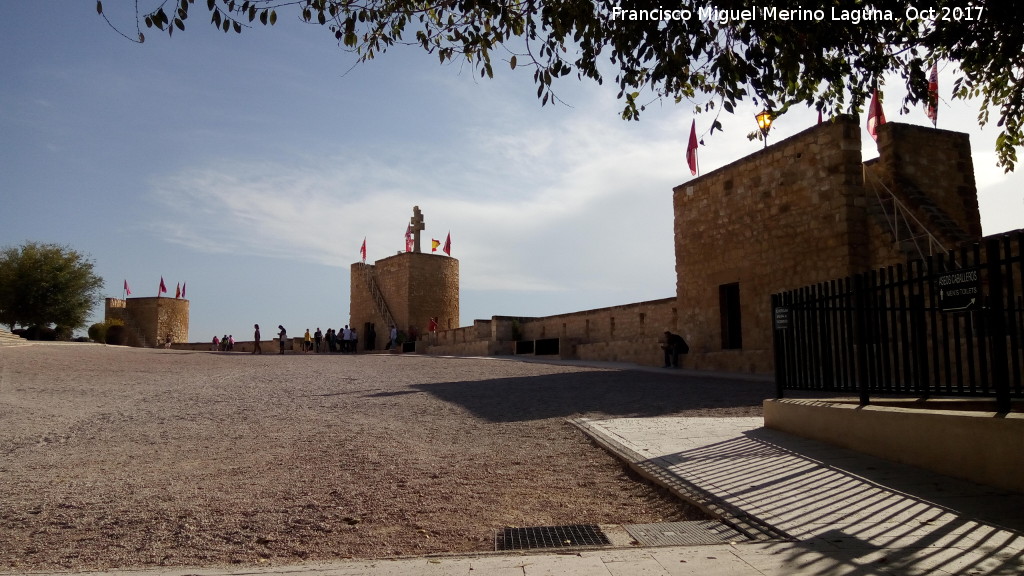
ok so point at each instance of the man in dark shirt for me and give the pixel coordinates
(674, 346)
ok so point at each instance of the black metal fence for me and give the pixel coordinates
(949, 325)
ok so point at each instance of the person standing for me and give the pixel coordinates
(355, 340)
(256, 348)
(346, 339)
(318, 339)
(216, 343)
(394, 337)
(673, 346)
(282, 335)
(307, 342)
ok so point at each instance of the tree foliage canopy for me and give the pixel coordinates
(829, 56)
(43, 284)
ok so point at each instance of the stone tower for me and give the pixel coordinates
(150, 320)
(406, 290)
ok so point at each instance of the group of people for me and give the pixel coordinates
(344, 340)
(225, 344)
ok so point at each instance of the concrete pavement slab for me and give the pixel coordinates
(848, 513)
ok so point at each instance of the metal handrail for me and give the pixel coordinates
(378, 298)
(900, 209)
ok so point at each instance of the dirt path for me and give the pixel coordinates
(113, 457)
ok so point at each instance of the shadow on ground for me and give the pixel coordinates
(851, 514)
(611, 393)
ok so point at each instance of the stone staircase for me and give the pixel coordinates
(378, 297)
(919, 229)
(8, 339)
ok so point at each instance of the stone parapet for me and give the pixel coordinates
(976, 445)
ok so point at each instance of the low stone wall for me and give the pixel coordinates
(644, 351)
(267, 346)
(477, 348)
(979, 446)
(626, 333)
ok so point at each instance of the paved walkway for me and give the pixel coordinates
(808, 507)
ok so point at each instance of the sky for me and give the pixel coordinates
(251, 167)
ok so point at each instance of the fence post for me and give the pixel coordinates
(860, 335)
(778, 344)
(997, 326)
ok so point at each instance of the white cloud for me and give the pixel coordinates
(531, 206)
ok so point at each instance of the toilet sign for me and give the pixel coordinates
(959, 291)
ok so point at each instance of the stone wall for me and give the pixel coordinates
(626, 333)
(794, 214)
(933, 172)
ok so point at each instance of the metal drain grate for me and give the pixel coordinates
(683, 533)
(550, 537)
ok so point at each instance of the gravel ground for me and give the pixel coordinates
(120, 458)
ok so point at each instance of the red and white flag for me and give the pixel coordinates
(875, 115)
(932, 107)
(448, 244)
(362, 249)
(408, 238)
(163, 287)
(691, 149)
(127, 290)
(177, 291)
(183, 289)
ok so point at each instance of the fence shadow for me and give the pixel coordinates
(853, 514)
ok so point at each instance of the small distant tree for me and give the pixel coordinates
(44, 284)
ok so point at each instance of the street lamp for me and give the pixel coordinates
(764, 122)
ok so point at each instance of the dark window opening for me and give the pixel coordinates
(729, 308)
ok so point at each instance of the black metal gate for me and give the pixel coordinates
(949, 325)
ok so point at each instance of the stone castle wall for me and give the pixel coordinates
(797, 213)
(626, 333)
